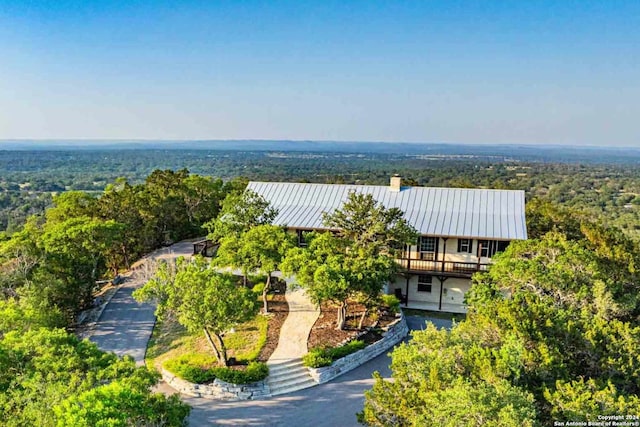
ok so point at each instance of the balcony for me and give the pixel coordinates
(448, 268)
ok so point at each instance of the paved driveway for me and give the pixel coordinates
(125, 325)
(125, 328)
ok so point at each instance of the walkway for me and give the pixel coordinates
(296, 327)
(125, 325)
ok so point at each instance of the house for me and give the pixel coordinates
(460, 230)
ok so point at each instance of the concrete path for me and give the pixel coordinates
(295, 330)
(125, 325)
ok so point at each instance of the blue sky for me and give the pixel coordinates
(551, 72)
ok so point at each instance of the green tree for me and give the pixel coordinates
(259, 250)
(328, 271)
(240, 212)
(358, 260)
(367, 224)
(120, 405)
(41, 369)
(24, 314)
(444, 378)
(71, 204)
(202, 299)
(586, 400)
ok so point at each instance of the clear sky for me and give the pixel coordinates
(553, 72)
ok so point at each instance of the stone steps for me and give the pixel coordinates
(288, 376)
(285, 366)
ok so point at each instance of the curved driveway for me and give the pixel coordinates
(125, 325)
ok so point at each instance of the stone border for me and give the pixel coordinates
(394, 334)
(218, 389)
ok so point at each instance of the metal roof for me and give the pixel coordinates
(448, 212)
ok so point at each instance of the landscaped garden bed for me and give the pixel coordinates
(188, 356)
(329, 363)
(344, 349)
(325, 335)
(200, 369)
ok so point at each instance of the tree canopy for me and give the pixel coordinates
(56, 259)
(202, 300)
(51, 378)
(240, 212)
(260, 250)
(553, 324)
(357, 261)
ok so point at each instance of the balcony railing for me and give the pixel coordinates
(451, 267)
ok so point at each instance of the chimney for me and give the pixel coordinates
(396, 183)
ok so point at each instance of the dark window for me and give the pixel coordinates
(465, 245)
(424, 283)
(490, 247)
(427, 244)
(302, 242)
(502, 246)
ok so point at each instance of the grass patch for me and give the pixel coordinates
(170, 340)
(248, 339)
(319, 357)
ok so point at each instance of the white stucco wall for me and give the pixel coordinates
(453, 292)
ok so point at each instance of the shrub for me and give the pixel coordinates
(195, 368)
(316, 358)
(319, 357)
(392, 302)
(255, 371)
(258, 288)
(199, 369)
(350, 347)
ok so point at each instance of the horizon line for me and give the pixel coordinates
(79, 141)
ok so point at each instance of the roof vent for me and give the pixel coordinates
(396, 183)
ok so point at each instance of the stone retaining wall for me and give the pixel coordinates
(394, 334)
(218, 389)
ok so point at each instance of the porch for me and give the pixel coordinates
(443, 267)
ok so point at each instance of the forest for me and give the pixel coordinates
(605, 184)
(551, 334)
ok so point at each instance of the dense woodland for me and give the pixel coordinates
(552, 332)
(606, 186)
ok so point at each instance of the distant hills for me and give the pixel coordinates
(545, 153)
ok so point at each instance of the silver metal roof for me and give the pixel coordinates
(449, 212)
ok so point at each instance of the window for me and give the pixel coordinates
(424, 283)
(427, 246)
(485, 247)
(490, 247)
(465, 245)
(301, 238)
(502, 246)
